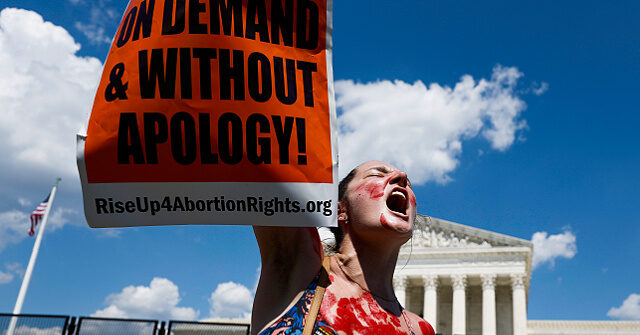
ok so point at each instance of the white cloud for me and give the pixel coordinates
(231, 300)
(546, 248)
(12, 269)
(100, 22)
(629, 310)
(60, 216)
(5, 278)
(540, 89)
(16, 268)
(24, 202)
(96, 34)
(46, 92)
(25, 330)
(15, 224)
(111, 327)
(110, 233)
(421, 129)
(159, 300)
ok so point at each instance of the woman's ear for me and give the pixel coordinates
(343, 216)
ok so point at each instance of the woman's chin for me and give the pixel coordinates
(396, 223)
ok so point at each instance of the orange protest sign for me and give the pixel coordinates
(215, 92)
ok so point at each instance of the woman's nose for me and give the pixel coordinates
(400, 178)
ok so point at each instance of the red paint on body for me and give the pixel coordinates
(426, 328)
(361, 315)
(328, 300)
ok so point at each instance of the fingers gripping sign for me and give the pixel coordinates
(116, 89)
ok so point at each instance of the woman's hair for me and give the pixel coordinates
(344, 183)
(342, 196)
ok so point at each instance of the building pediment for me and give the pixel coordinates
(430, 232)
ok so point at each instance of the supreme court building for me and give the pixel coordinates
(469, 281)
(465, 280)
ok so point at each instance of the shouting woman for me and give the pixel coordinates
(376, 213)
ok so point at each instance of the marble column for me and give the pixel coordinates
(430, 299)
(400, 289)
(459, 313)
(488, 304)
(519, 304)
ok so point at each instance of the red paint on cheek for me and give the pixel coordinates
(384, 222)
(426, 328)
(374, 189)
(331, 278)
(412, 200)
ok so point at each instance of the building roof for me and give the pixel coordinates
(472, 234)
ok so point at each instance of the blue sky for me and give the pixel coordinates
(561, 75)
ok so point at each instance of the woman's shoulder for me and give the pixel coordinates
(420, 325)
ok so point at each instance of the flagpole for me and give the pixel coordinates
(32, 262)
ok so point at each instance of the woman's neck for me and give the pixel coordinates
(369, 266)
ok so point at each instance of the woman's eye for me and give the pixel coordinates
(375, 175)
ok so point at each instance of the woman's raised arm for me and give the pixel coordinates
(291, 257)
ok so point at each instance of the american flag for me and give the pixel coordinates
(37, 215)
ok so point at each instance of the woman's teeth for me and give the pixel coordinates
(399, 194)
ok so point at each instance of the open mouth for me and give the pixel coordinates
(397, 201)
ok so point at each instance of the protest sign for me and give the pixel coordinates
(214, 112)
